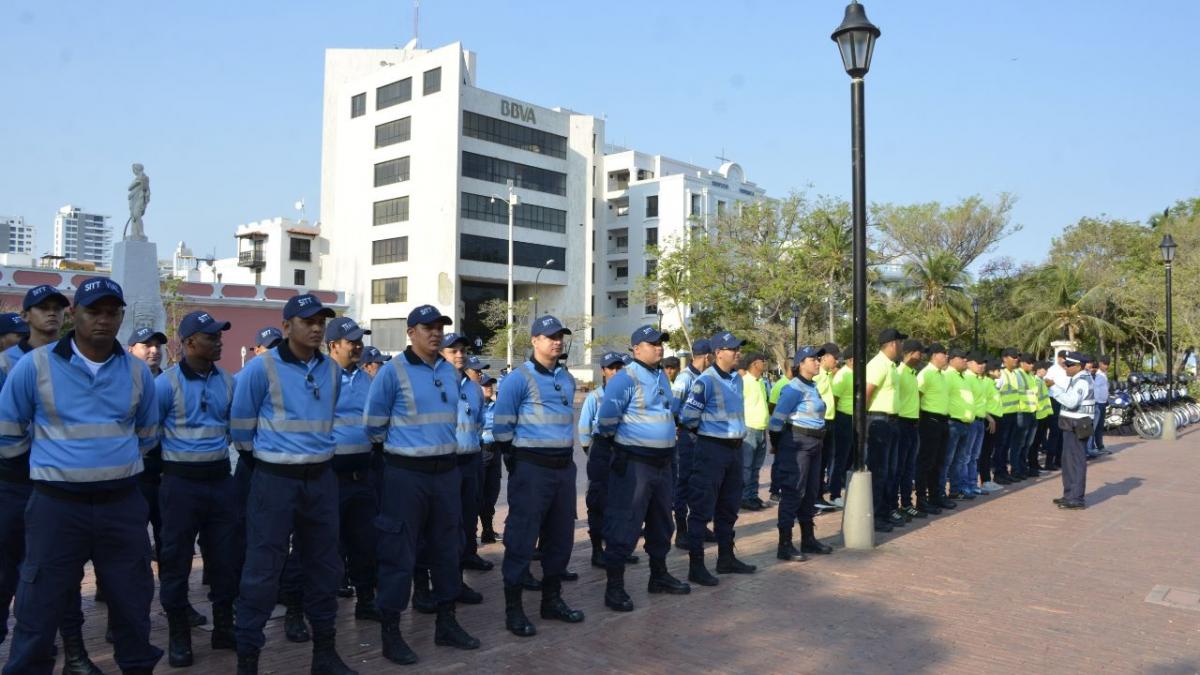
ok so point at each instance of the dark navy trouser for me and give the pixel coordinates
(714, 490)
(685, 448)
(1022, 439)
(843, 443)
(637, 493)
(598, 461)
(1074, 465)
(420, 511)
(470, 467)
(1005, 431)
(357, 510)
(276, 507)
(190, 507)
(934, 432)
(489, 490)
(799, 460)
(881, 448)
(60, 537)
(908, 445)
(541, 503)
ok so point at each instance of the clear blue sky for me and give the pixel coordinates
(1079, 108)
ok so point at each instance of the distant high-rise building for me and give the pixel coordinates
(16, 236)
(82, 236)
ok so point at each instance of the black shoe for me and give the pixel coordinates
(1002, 480)
(895, 519)
(247, 662)
(698, 573)
(961, 496)
(530, 582)
(422, 594)
(710, 537)
(222, 634)
(1034, 474)
(365, 608)
(929, 508)
(661, 580)
(1060, 500)
(615, 597)
(784, 550)
(75, 657)
(514, 613)
(904, 514)
(468, 595)
(914, 512)
(809, 542)
(751, 505)
(345, 590)
(395, 649)
(294, 628)
(488, 535)
(568, 575)
(775, 497)
(553, 607)
(681, 533)
(325, 659)
(179, 639)
(882, 526)
(727, 562)
(472, 561)
(597, 552)
(1073, 505)
(447, 632)
(946, 503)
(195, 619)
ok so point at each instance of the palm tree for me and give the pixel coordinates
(936, 280)
(1064, 306)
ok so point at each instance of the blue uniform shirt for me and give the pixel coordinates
(681, 387)
(470, 416)
(800, 405)
(489, 419)
(85, 431)
(14, 456)
(194, 410)
(636, 410)
(535, 409)
(352, 446)
(283, 407)
(413, 407)
(588, 416)
(714, 406)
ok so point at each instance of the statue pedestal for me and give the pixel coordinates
(135, 267)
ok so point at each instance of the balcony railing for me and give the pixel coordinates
(251, 259)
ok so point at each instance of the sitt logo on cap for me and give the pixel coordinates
(92, 285)
(303, 302)
(547, 322)
(203, 318)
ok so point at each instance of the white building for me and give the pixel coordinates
(414, 166)
(651, 201)
(15, 236)
(272, 252)
(82, 236)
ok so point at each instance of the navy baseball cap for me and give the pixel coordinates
(701, 347)
(1074, 358)
(936, 348)
(145, 334)
(486, 380)
(648, 333)
(200, 322)
(11, 322)
(832, 348)
(809, 352)
(39, 294)
(627, 359)
(725, 340)
(956, 353)
(890, 334)
(611, 359)
(345, 328)
(427, 315)
(373, 355)
(911, 345)
(1012, 351)
(670, 362)
(98, 288)
(476, 363)
(548, 325)
(305, 306)
(450, 339)
(268, 337)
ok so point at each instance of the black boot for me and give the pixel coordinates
(487, 534)
(222, 634)
(179, 639)
(727, 563)
(530, 582)
(247, 662)
(422, 596)
(365, 608)
(514, 612)
(325, 659)
(346, 589)
(395, 649)
(710, 537)
(553, 607)
(661, 580)
(615, 597)
(785, 550)
(472, 561)
(195, 619)
(468, 595)
(75, 657)
(681, 533)
(108, 636)
(294, 628)
(809, 542)
(448, 633)
(597, 551)
(698, 573)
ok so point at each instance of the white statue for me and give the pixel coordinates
(139, 197)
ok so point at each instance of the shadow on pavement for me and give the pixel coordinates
(1110, 490)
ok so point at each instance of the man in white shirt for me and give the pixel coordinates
(1058, 374)
(1099, 371)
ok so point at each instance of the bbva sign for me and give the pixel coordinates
(518, 111)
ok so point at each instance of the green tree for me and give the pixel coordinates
(965, 230)
(936, 281)
(1061, 305)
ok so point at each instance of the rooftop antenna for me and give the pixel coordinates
(722, 156)
(299, 206)
(416, 22)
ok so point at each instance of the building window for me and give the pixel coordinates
(720, 209)
(513, 135)
(391, 171)
(532, 216)
(651, 268)
(501, 171)
(391, 211)
(391, 94)
(651, 236)
(358, 105)
(298, 277)
(396, 131)
(695, 205)
(651, 306)
(392, 250)
(652, 206)
(389, 335)
(525, 254)
(392, 289)
(622, 271)
(622, 301)
(433, 81)
(300, 249)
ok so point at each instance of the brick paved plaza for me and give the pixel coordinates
(1008, 584)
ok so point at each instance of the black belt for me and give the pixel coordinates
(18, 477)
(463, 460)
(356, 476)
(438, 464)
(297, 471)
(656, 462)
(728, 442)
(811, 433)
(196, 471)
(548, 461)
(888, 416)
(92, 497)
(908, 421)
(935, 417)
(246, 457)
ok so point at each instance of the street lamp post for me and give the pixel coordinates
(975, 308)
(795, 329)
(855, 39)
(536, 291)
(513, 201)
(1168, 256)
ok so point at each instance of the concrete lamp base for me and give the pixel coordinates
(858, 517)
(1168, 426)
